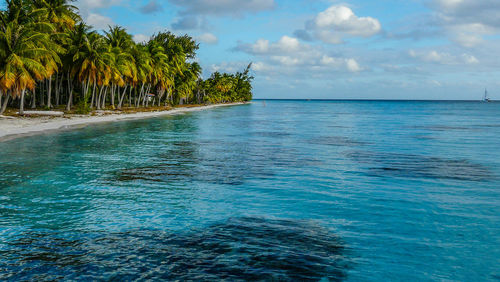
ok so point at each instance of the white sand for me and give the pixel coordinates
(11, 128)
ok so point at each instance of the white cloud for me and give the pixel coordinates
(285, 44)
(469, 59)
(467, 22)
(443, 58)
(353, 66)
(99, 21)
(230, 67)
(343, 19)
(349, 64)
(288, 55)
(139, 38)
(259, 66)
(208, 38)
(338, 22)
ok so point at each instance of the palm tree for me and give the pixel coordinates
(159, 78)
(64, 17)
(144, 69)
(25, 58)
(76, 39)
(191, 75)
(124, 68)
(93, 63)
(58, 12)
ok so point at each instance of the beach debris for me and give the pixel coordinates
(42, 113)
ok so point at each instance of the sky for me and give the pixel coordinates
(324, 49)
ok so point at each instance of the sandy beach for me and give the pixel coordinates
(15, 127)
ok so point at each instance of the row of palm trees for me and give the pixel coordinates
(49, 58)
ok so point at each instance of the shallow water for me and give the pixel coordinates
(286, 190)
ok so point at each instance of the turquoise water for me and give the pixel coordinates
(290, 190)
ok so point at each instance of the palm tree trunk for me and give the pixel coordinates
(33, 102)
(98, 100)
(120, 103)
(5, 102)
(57, 90)
(70, 94)
(42, 90)
(112, 96)
(135, 96)
(93, 97)
(61, 92)
(21, 104)
(49, 93)
(130, 97)
(103, 103)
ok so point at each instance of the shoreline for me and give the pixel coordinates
(13, 128)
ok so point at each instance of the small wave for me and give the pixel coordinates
(335, 141)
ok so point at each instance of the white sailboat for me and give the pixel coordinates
(486, 98)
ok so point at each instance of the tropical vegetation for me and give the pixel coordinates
(50, 58)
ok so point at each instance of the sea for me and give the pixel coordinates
(281, 190)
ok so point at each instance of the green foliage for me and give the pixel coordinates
(223, 88)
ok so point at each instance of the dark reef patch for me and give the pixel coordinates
(238, 249)
(416, 166)
(217, 162)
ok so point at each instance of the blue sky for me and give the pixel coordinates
(384, 49)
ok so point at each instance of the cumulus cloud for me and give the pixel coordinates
(208, 38)
(350, 64)
(469, 21)
(288, 54)
(99, 21)
(139, 38)
(230, 67)
(444, 58)
(285, 44)
(338, 22)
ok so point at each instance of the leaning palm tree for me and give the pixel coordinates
(25, 58)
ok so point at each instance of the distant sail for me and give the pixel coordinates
(486, 98)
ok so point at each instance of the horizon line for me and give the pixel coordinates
(388, 100)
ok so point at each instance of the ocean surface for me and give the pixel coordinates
(284, 190)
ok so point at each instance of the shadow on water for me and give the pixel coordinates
(415, 166)
(237, 249)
